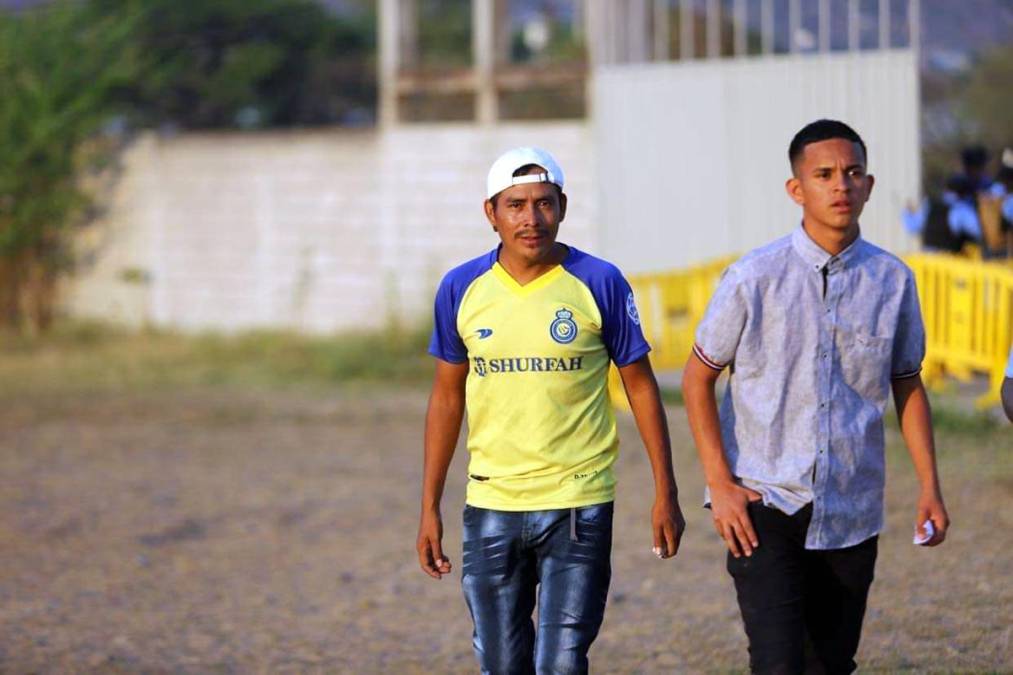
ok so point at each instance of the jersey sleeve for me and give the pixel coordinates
(621, 331)
(909, 338)
(718, 333)
(445, 343)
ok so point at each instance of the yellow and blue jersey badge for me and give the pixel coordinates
(542, 433)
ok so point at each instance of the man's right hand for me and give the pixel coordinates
(429, 545)
(731, 518)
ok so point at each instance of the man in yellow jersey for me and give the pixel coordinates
(523, 339)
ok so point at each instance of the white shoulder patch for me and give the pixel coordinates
(631, 309)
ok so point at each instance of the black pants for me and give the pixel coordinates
(802, 609)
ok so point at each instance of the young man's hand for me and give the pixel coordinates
(731, 519)
(915, 415)
(430, 545)
(668, 525)
(931, 507)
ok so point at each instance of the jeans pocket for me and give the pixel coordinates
(597, 514)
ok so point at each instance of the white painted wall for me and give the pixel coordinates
(692, 156)
(313, 231)
(337, 230)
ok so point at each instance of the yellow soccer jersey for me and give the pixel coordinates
(541, 431)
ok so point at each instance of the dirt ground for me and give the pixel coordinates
(208, 530)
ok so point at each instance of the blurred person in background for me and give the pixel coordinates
(1007, 387)
(947, 223)
(523, 338)
(974, 161)
(1004, 180)
(997, 207)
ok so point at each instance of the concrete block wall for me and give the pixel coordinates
(314, 231)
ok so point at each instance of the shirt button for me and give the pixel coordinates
(824, 355)
(823, 405)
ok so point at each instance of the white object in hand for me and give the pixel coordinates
(929, 532)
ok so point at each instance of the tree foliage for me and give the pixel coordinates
(248, 63)
(988, 100)
(68, 68)
(59, 71)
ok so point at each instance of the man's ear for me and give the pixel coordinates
(490, 213)
(562, 206)
(793, 186)
(872, 181)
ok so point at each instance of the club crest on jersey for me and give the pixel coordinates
(563, 330)
(631, 309)
(480, 368)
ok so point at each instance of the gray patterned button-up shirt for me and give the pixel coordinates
(813, 342)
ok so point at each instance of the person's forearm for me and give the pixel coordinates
(645, 401)
(443, 424)
(915, 416)
(704, 423)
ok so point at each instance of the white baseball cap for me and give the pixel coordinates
(501, 174)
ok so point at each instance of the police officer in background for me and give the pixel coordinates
(947, 223)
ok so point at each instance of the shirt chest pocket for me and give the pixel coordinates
(865, 362)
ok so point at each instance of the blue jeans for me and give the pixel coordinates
(564, 557)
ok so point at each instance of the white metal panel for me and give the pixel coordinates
(692, 157)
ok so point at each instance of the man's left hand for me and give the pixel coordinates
(668, 525)
(931, 507)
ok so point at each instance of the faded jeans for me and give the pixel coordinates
(562, 556)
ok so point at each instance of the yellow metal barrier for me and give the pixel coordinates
(670, 305)
(967, 307)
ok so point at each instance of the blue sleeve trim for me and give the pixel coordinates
(446, 344)
(621, 330)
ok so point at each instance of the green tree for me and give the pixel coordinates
(988, 99)
(248, 63)
(59, 73)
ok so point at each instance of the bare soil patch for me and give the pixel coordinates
(206, 529)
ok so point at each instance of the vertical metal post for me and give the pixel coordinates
(388, 61)
(408, 34)
(794, 24)
(596, 49)
(854, 25)
(637, 50)
(914, 18)
(661, 36)
(824, 38)
(687, 28)
(483, 51)
(884, 24)
(600, 43)
(741, 47)
(713, 29)
(767, 26)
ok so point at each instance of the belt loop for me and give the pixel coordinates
(573, 524)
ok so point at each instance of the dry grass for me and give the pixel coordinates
(84, 357)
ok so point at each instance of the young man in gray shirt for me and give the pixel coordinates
(817, 328)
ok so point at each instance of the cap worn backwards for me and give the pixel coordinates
(501, 174)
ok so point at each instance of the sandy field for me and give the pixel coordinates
(209, 530)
